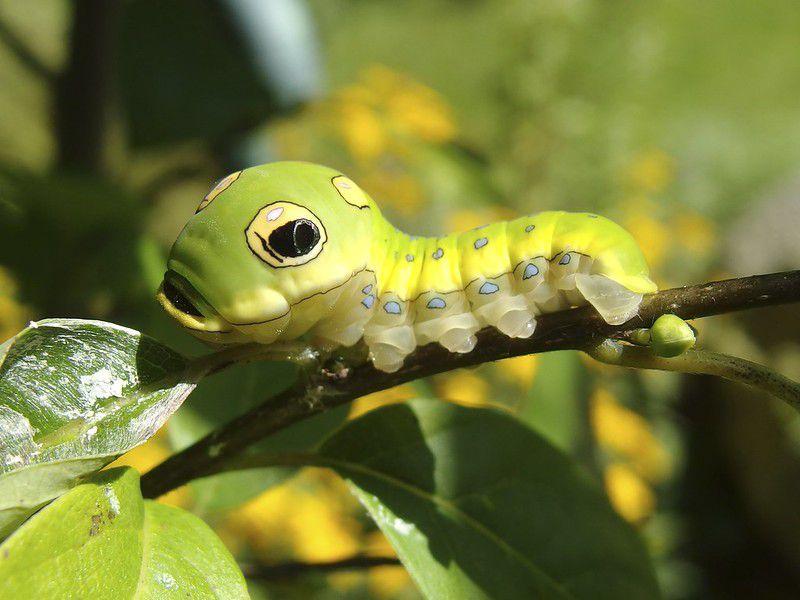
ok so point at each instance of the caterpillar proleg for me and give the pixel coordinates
(292, 249)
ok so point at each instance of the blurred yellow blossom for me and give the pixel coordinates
(362, 131)
(464, 387)
(519, 370)
(411, 107)
(384, 582)
(380, 121)
(629, 435)
(308, 518)
(395, 188)
(652, 171)
(378, 399)
(148, 455)
(630, 496)
(13, 314)
(695, 233)
(653, 236)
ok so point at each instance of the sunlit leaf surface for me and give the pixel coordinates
(102, 540)
(74, 395)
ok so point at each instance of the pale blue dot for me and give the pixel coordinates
(410, 257)
(488, 288)
(565, 259)
(480, 243)
(392, 307)
(530, 228)
(530, 271)
(367, 289)
(368, 301)
(436, 303)
(438, 254)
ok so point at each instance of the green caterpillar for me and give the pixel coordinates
(289, 249)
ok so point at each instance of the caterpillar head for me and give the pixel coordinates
(264, 248)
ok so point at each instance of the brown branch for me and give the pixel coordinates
(575, 329)
(293, 569)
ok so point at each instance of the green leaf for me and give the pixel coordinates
(74, 395)
(102, 540)
(551, 406)
(478, 505)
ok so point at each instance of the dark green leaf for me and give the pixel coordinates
(74, 395)
(102, 540)
(478, 505)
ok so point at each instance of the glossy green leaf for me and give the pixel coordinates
(478, 505)
(102, 540)
(74, 395)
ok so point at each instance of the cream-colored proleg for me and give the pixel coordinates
(390, 335)
(446, 319)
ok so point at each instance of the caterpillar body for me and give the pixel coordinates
(293, 249)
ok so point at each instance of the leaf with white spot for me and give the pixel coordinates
(102, 540)
(74, 395)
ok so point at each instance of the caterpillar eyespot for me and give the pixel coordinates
(283, 234)
(289, 250)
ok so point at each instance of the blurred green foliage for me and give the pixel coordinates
(671, 117)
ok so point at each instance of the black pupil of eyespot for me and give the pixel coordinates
(294, 238)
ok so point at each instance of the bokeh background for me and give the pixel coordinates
(679, 119)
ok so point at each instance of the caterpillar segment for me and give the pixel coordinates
(290, 250)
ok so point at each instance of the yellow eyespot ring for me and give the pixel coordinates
(222, 185)
(284, 234)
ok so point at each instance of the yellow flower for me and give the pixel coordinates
(652, 172)
(384, 582)
(148, 455)
(630, 496)
(363, 133)
(308, 518)
(378, 399)
(520, 370)
(653, 237)
(696, 233)
(420, 112)
(629, 435)
(13, 314)
(464, 387)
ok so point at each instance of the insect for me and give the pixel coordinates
(292, 249)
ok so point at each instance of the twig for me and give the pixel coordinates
(293, 569)
(576, 329)
(703, 362)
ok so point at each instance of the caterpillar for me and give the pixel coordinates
(291, 249)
